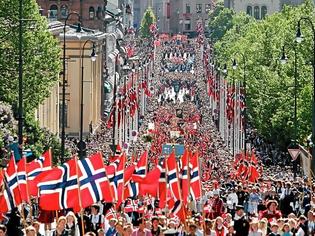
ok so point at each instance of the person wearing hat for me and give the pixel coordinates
(217, 205)
(271, 212)
(253, 229)
(111, 231)
(241, 224)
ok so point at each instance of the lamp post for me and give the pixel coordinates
(81, 144)
(63, 114)
(21, 118)
(115, 103)
(299, 38)
(234, 66)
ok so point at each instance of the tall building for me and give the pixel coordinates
(259, 8)
(185, 14)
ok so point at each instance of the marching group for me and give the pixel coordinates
(275, 204)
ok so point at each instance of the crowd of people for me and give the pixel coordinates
(275, 204)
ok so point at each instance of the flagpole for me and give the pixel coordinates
(79, 194)
(188, 177)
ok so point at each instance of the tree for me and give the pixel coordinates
(270, 89)
(147, 20)
(41, 55)
(41, 68)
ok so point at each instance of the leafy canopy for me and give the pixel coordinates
(147, 20)
(270, 85)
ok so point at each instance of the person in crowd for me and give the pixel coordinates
(274, 229)
(286, 230)
(219, 228)
(72, 226)
(253, 229)
(156, 228)
(111, 231)
(217, 204)
(141, 230)
(241, 224)
(271, 213)
(60, 227)
(96, 220)
(30, 231)
(208, 231)
(36, 225)
(3, 230)
(263, 226)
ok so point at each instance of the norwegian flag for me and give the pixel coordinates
(117, 180)
(185, 178)
(141, 168)
(162, 186)
(131, 190)
(11, 179)
(58, 187)
(195, 183)
(34, 168)
(94, 184)
(172, 177)
(179, 211)
(22, 180)
(6, 198)
(111, 213)
(150, 185)
(133, 206)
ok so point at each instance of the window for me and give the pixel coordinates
(64, 11)
(198, 8)
(91, 13)
(249, 10)
(188, 8)
(53, 12)
(187, 25)
(263, 12)
(208, 8)
(256, 13)
(99, 13)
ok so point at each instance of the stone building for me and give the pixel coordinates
(185, 14)
(259, 8)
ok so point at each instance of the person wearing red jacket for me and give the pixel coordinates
(271, 212)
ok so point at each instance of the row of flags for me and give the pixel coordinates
(128, 97)
(79, 183)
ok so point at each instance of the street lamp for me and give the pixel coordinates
(81, 144)
(284, 60)
(63, 114)
(234, 66)
(299, 38)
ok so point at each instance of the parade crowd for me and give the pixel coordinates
(233, 202)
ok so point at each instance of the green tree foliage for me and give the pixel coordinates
(147, 20)
(41, 55)
(270, 85)
(41, 68)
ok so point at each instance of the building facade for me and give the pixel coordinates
(259, 8)
(91, 11)
(78, 59)
(47, 114)
(185, 15)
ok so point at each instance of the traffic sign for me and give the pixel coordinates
(294, 153)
